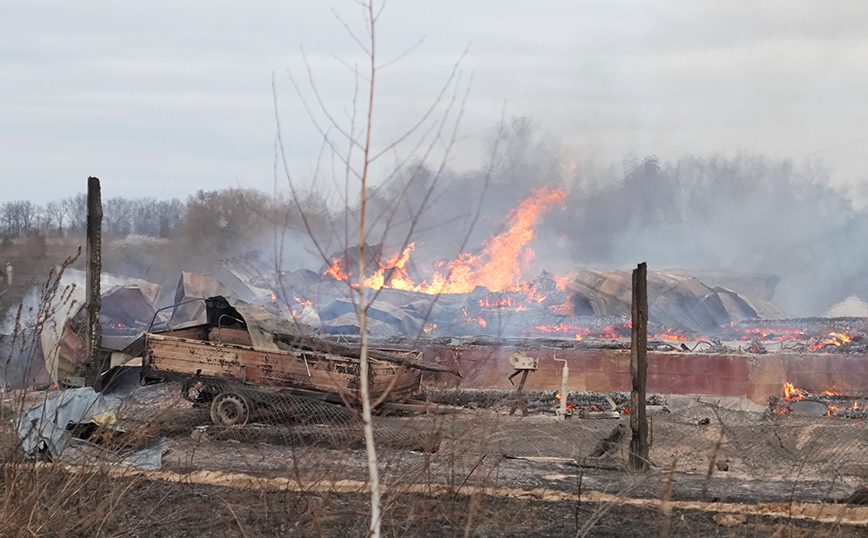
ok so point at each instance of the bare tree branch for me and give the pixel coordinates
(351, 33)
(398, 58)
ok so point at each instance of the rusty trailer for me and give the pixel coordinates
(242, 359)
(170, 356)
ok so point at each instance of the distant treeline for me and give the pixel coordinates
(228, 213)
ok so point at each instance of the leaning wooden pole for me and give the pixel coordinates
(639, 371)
(93, 333)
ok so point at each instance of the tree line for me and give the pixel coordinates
(227, 212)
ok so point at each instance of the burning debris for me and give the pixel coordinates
(489, 294)
(488, 298)
(824, 403)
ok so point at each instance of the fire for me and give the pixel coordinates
(536, 295)
(609, 331)
(669, 336)
(468, 317)
(792, 393)
(336, 270)
(499, 267)
(395, 267)
(504, 257)
(557, 401)
(429, 327)
(835, 339)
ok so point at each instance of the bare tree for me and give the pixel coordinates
(349, 144)
(224, 218)
(76, 210)
(118, 217)
(19, 217)
(56, 213)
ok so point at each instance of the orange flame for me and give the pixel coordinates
(394, 265)
(499, 267)
(336, 270)
(669, 336)
(836, 339)
(792, 393)
(468, 317)
(504, 258)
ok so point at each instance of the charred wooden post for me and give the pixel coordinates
(523, 365)
(93, 333)
(639, 371)
(519, 397)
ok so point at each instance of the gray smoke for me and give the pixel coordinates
(743, 213)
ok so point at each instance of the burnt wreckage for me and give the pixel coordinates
(709, 332)
(244, 359)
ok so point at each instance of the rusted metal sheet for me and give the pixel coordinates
(175, 357)
(755, 377)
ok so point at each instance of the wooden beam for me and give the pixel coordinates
(638, 459)
(93, 334)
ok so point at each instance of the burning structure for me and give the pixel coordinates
(272, 370)
(712, 333)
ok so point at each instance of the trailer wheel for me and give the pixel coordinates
(230, 409)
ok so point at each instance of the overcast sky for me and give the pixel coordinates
(164, 98)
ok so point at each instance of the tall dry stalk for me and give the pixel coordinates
(427, 134)
(367, 421)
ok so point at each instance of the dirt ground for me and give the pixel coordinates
(715, 472)
(196, 511)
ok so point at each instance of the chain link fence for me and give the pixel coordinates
(464, 437)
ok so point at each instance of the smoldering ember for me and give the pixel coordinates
(493, 378)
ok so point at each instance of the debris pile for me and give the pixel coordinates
(78, 426)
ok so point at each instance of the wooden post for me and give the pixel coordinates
(519, 397)
(639, 371)
(93, 334)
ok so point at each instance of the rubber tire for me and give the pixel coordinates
(230, 409)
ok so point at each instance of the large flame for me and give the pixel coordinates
(499, 267)
(396, 273)
(504, 258)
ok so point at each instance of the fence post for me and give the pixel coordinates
(93, 270)
(639, 371)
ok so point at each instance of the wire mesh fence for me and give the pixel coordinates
(700, 438)
(434, 462)
(469, 441)
(761, 445)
